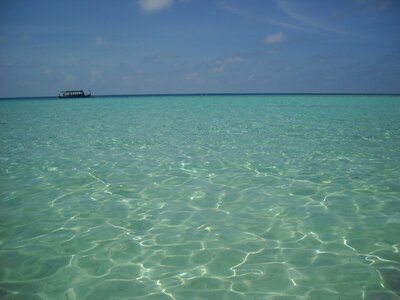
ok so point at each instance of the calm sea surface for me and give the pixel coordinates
(200, 197)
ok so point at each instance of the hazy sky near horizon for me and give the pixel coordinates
(199, 46)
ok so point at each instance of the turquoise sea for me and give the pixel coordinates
(200, 197)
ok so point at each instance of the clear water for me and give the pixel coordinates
(213, 197)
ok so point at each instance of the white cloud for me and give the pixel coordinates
(330, 77)
(372, 5)
(153, 6)
(288, 68)
(70, 77)
(233, 10)
(96, 75)
(46, 70)
(3, 39)
(229, 61)
(275, 38)
(218, 69)
(100, 41)
(221, 63)
(304, 19)
(258, 18)
(192, 76)
(364, 7)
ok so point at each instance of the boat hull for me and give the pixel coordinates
(84, 96)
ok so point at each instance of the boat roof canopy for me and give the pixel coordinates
(77, 91)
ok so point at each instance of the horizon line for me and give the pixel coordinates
(210, 94)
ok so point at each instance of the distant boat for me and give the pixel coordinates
(74, 94)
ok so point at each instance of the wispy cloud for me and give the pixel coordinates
(234, 10)
(69, 79)
(373, 5)
(364, 7)
(304, 19)
(153, 6)
(95, 75)
(100, 41)
(275, 38)
(192, 76)
(229, 60)
(3, 39)
(218, 69)
(256, 18)
(221, 63)
(46, 70)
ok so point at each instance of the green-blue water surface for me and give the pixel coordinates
(200, 197)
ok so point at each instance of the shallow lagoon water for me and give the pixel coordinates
(200, 197)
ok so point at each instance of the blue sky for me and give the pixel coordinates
(199, 46)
